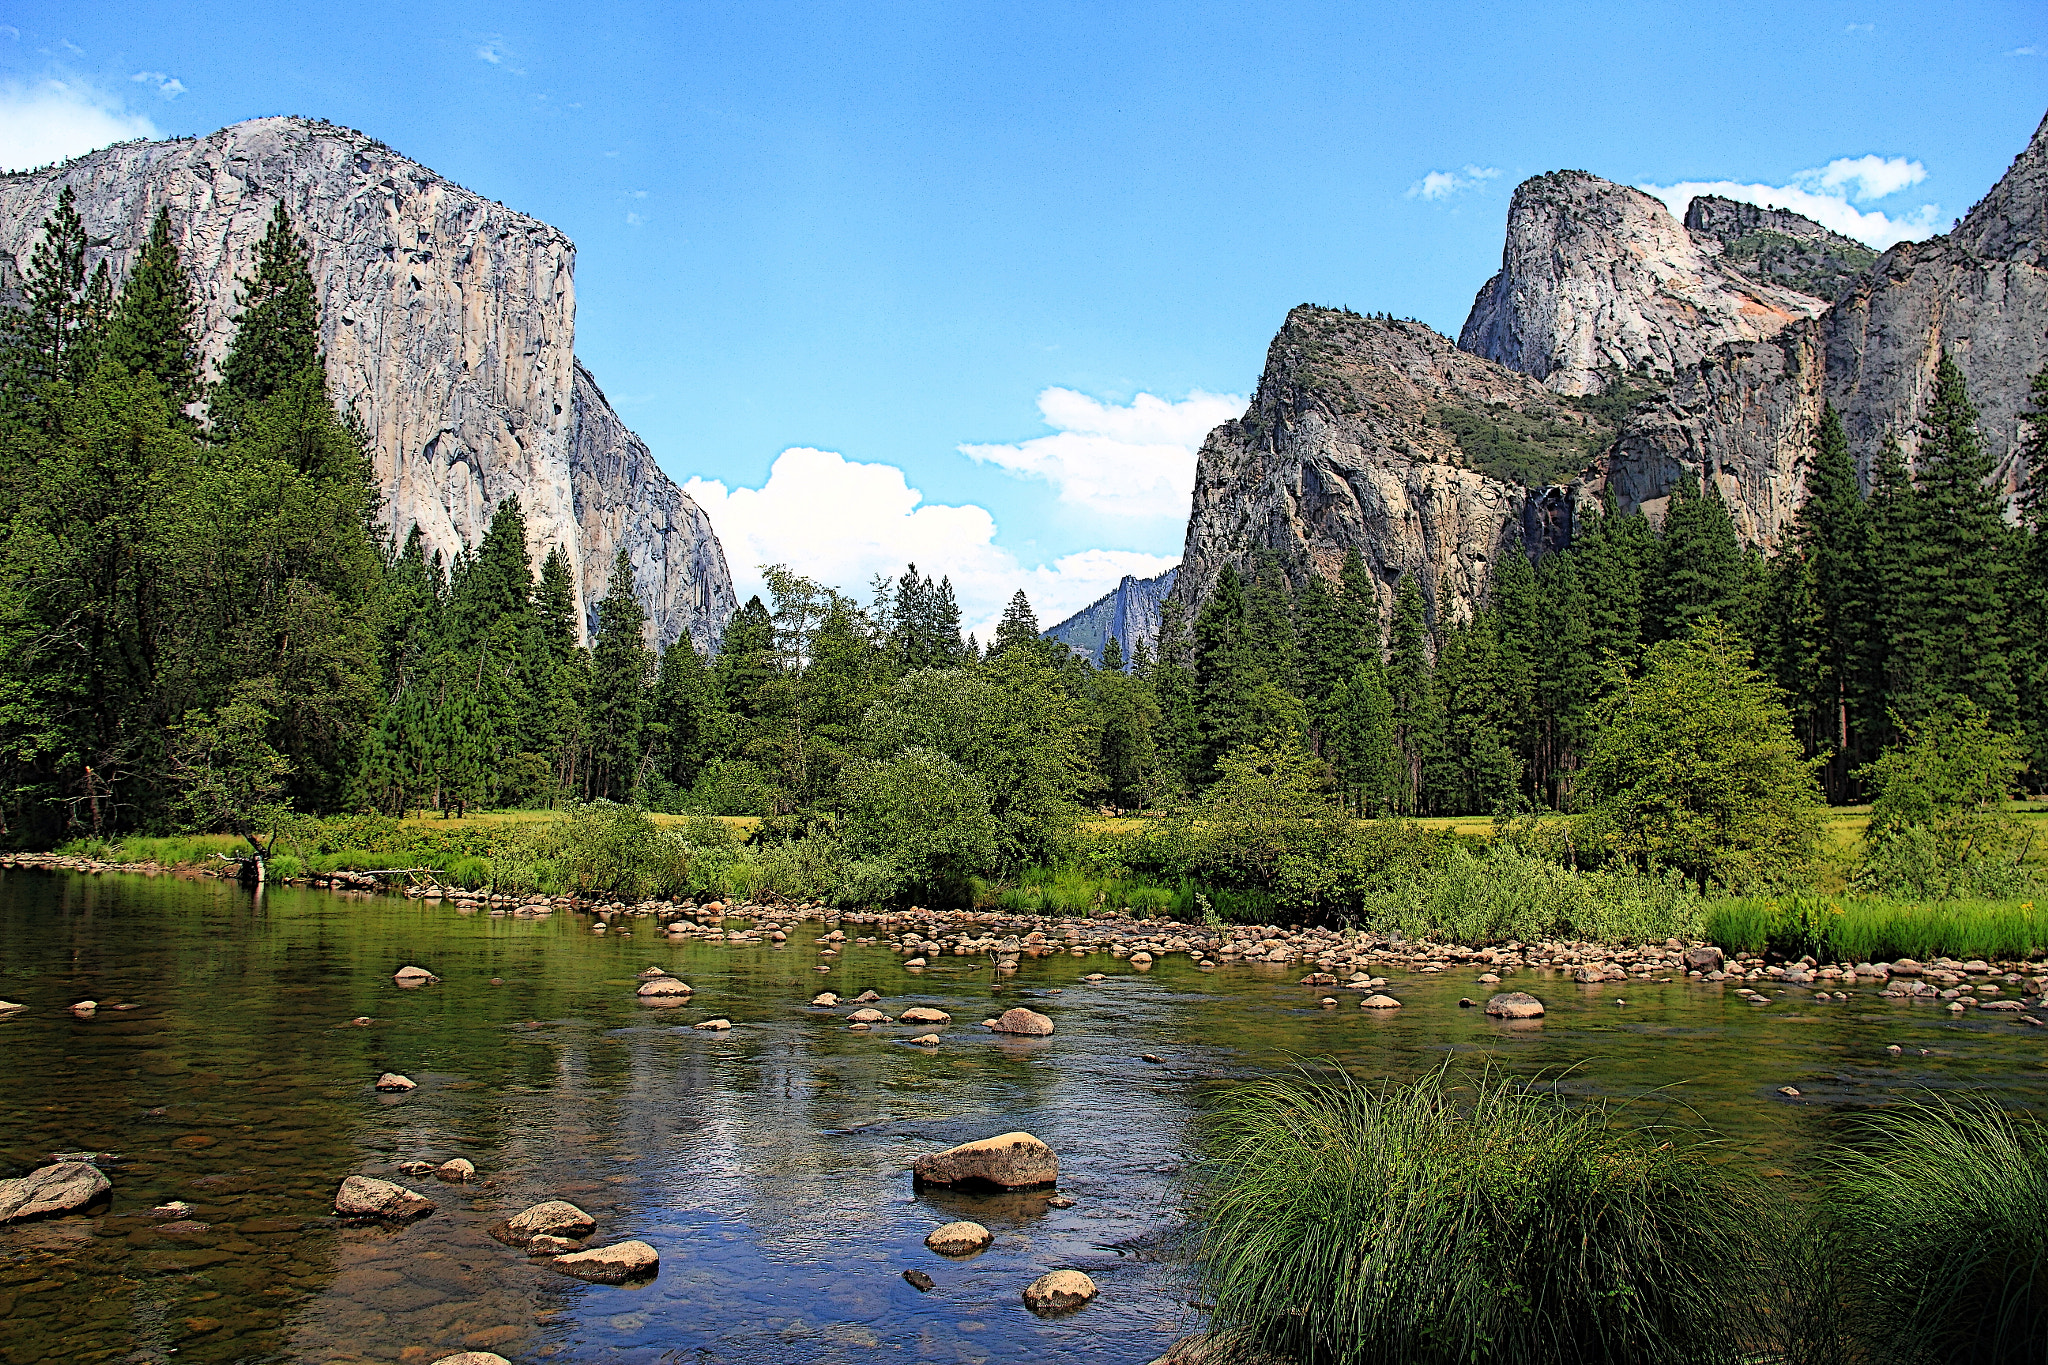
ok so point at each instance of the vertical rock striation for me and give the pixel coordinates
(1598, 279)
(448, 322)
(1130, 612)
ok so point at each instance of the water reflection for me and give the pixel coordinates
(768, 1164)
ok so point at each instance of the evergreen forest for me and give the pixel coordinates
(204, 625)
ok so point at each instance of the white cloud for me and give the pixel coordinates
(1859, 28)
(1133, 460)
(491, 53)
(633, 219)
(2028, 51)
(1829, 195)
(53, 119)
(842, 522)
(1439, 185)
(169, 86)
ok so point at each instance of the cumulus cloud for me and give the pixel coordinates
(1131, 460)
(167, 85)
(841, 522)
(1443, 184)
(1829, 195)
(52, 119)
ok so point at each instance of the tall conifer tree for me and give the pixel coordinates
(277, 333)
(152, 334)
(620, 663)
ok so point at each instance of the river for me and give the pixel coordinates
(767, 1164)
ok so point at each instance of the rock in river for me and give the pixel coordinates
(552, 1218)
(1011, 1161)
(614, 1264)
(1515, 1005)
(410, 977)
(923, 1014)
(1058, 1291)
(1020, 1020)
(392, 1081)
(1379, 1002)
(363, 1196)
(61, 1188)
(473, 1358)
(663, 986)
(959, 1239)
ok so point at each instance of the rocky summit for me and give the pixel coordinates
(1598, 279)
(448, 322)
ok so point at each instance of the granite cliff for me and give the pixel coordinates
(448, 322)
(1130, 612)
(1746, 414)
(1598, 279)
(1381, 435)
(1777, 246)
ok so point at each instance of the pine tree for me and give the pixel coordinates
(1471, 762)
(682, 709)
(2030, 592)
(1699, 564)
(1961, 565)
(498, 580)
(1808, 621)
(1320, 645)
(1173, 684)
(1613, 560)
(1018, 627)
(1112, 655)
(746, 658)
(555, 603)
(1366, 750)
(277, 333)
(620, 663)
(152, 333)
(1358, 610)
(1881, 610)
(1408, 679)
(464, 738)
(50, 337)
(1569, 676)
(1226, 673)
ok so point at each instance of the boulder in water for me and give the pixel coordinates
(1058, 1291)
(1010, 1161)
(1029, 1023)
(63, 1188)
(615, 1264)
(363, 1196)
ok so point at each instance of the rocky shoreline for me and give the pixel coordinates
(1346, 959)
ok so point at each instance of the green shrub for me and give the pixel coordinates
(470, 873)
(1940, 1214)
(1476, 1220)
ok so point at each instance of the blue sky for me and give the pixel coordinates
(858, 238)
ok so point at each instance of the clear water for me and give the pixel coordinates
(769, 1165)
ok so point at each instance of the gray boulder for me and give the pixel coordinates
(1515, 1005)
(362, 1196)
(1030, 1023)
(1011, 1161)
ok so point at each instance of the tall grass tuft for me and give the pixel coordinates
(1940, 1217)
(1438, 1221)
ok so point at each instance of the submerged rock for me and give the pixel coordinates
(410, 977)
(473, 1358)
(1379, 1002)
(1058, 1291)
(663, 986)
(922, 1014)
(614, 1264)
(918, 1280)
(1011, 1161)
(392, 1081)
(62, 1188)
(455, 1171)
(362, 1196)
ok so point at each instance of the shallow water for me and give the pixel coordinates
(768, 1165)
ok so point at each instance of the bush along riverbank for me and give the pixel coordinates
(1469, 1217)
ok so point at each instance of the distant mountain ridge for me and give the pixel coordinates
(1617, 353)
(1130, 612)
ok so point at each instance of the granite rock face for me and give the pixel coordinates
(1598, 279)
(1363, 435)
(1746, 414)
(1130, 612)
(448, 321)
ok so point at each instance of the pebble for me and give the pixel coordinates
(716, 1025)
(919, 1281)
(1790, 1090)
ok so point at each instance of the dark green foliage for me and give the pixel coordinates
(1698, 570)
(554, 603)
(151, 334)
(1460, 1218)
(620, 670)
(1018, 627)
(1408, 688)
(1938, 827)
(1515, 447)
(55, 334)
(277, 333)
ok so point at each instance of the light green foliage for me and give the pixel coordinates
(227, 775)
(1470, 1218)
(1696, 769)
(1939, 827)
(923, 817)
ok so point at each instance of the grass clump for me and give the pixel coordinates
(1474, 1220)
(1878, 929)
(1939, 1215)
